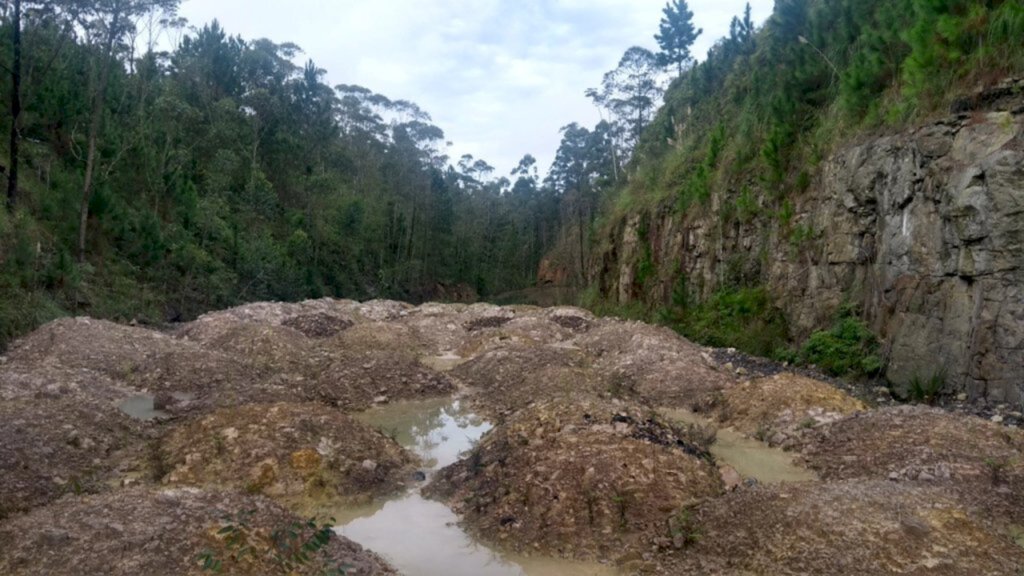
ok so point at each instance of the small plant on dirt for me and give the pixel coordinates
(762, 433)
(291, 548)
(807, 423)
(620, 386)
(996, 467)
(622, 502)
(683, 529)
(926, 391)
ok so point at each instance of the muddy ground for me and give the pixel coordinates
(250, 409)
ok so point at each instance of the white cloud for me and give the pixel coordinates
(500, 77)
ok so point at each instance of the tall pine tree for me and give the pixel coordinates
(676, 35)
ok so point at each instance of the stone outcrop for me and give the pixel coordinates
(922, 229)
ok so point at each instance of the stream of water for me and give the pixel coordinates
(422, 537)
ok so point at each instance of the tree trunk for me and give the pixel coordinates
(12, 178)
(95, 126)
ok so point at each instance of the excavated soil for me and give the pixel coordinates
(841, 528)
(655, 364)
(163, 532)
(506, 379)
(584, 479)
(306, 452)
(780, 409)
(56, 446)
(95, 416)
(982, 461)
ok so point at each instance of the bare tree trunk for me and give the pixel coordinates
(95, 126)
(12, 178)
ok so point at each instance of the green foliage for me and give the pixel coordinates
(227, 173)
(289, 549)
(926, 390)
(740, 318)
(849, 348)
(676, 35)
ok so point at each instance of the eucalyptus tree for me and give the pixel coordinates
(104, 25)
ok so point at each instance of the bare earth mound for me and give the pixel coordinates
(306, 452)
(657, 364)
(584, 479)
(845, 528)
(984, 461)
(780, 408)
(510, 377)
(55, 446)
(163, 533)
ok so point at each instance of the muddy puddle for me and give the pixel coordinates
(752, 459)
(141, 407)
(422, 537)
(445, 362)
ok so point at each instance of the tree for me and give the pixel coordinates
(106, 23)
(12, 177)
(677, 35)
(631, 93)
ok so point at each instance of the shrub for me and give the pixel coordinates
(849, 348)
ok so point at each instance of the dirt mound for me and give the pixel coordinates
(393, 338)
(59, 445)
(907, 442)
(87, 344)
(133, 532)
(656, 363)
(516, 373)
(780, 409)
(357, 380)
(23, 380)
(844, 528)
(196, 371)
(292, 451)
(984, 461)
(383, 310)
(318, 324)
(583, 479)
(285, 450)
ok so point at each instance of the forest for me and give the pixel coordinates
(151, 185)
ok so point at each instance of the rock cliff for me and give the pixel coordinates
(922, 229)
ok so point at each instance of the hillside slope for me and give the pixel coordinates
(856, 162)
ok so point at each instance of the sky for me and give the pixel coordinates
(500, 77)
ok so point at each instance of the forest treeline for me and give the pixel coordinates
(155, 185)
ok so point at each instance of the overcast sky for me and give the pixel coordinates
(500, 77)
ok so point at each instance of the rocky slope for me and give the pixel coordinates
(921, 229)
(126, 451)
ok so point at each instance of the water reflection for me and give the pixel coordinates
(422, 537)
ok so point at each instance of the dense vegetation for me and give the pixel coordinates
(157, 185)
(748, 125)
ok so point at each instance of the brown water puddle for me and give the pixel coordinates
(422, 537)
(752, 459)
(446, 362)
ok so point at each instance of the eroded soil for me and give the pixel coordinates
(123, 450)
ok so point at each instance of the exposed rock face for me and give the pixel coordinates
(923, 229)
